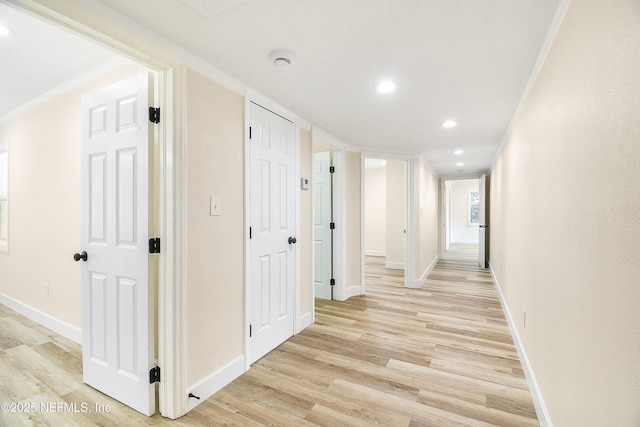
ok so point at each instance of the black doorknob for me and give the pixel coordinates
(82, 256)
(292, 240)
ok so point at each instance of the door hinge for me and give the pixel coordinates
(249, 331)
(250, 233)
(154, 115)
(154, 375)
(154, 245)
(249, 132)
(332, 282)
(332, 169)
(332, 225)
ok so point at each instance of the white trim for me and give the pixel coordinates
(106, 29)
(214, 382)
(171, 262)
(306, 319)
(375, 253)
(420, 281)
(252, 97)
(340, 218)
(4, 148)
(296, 197)
(338, 148)
(247, 224)
(410, 253)
(394, 265)
(442, 238)
(536, 394)
(362, 224)
(410, 239)
(58, 326)
(352, 291)
(554, 27)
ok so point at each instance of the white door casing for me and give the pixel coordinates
(272, 161)
(321, 223)
(482, 223)
(117, 313)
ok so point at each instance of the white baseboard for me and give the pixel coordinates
(210, 385)
(418, 282)
(375, 253)
(305, 321)
(350, 291)
(394, 265)
(353, 291)
(61, 327)
(536, 395)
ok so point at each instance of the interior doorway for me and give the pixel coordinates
(385, 220)
(59, 185)
(461, 219)
(328, 219)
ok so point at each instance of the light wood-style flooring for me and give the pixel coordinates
(439, 356)
(462, 252)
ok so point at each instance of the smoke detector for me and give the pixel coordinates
(282, 58)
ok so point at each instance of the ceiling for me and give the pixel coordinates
(465, 60)
(38, 57)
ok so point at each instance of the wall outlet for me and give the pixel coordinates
(46, 288)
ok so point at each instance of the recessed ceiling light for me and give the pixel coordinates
(459, 164)
(5, 31)
(449, 124)
(458, 152)
(386, 86)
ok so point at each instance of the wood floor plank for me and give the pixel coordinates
(440, 355)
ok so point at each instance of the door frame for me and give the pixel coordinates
(341, 291)
(444, 220)
(255, 98)
(409, 251)
(170, 90)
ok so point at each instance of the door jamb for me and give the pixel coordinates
(171, 82)
(341, 291)
(444, 221)
(410, 253)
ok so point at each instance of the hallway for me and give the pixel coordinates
(441, 355)
(462, 252)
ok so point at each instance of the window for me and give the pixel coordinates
(4, 200)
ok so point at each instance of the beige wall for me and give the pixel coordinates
(461, 231)
(214, 286)
(375, 212)
(44, 204)
(305, 241)
(565, 205)
(396, 218)
(353, 238)
(426, 186)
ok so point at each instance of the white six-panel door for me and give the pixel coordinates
(321, 222)
(272, 220)
(117, 334)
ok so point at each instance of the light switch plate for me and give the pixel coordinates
(216, 206)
